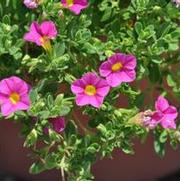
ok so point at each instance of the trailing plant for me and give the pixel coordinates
(64, 66)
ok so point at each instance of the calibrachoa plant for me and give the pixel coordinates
(41, 34)
(61, 60)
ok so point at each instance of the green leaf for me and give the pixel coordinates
(33, 95)
(154, 73)
(37, 168)
(138, 27)
(107, 14)
(170, 81)
(102, 129)
(64, 110)
(59, 49)
(93, 148)
(54, 136)
(6, 20)
(140, 5)
(31, 138)
(163, 136)
(159, 148)
(51, 161)
(174, 144)
(128, 150)
(59, 99)
(173, 46)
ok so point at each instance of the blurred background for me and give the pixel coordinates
(145, 165)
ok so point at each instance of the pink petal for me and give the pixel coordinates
(161, 104)
(113, 59)
(22, 106)
(90, 78)
(157, 116)
(48, 29)
(13, 84)
(3, 98)
(4, 87)
(130, 62)
(64, 2)
(170, 113)
(58, 124)
(114, 79)
(35, 27)
(105, 69)
(128, 75)
(77, 5)
(101, 85)
(24, 103)
(30, 4)
(7, 108)
(153, 120)
(18, 85)
(81, 2)
(76, 8)
(151, 124)
(96, 101)
(34, 35)
(119, 57)
(168, 124)
(77, 86)
(82, 99)
(102, 88)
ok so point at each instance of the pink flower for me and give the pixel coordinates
(42, 34)
(152, 120)
(168, 113)
(118, 68)
(13, 95)
(75, 5)
(58, 125)
(177, 2)
(164, 115)
(90, 89)
(31, 4)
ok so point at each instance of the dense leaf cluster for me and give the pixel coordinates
(149, 29)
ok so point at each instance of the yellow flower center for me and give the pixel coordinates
(46, 44)
(90, 90)
(116, 67)
(14, 98)
(70, 2)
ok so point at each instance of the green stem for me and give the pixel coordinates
(62, 174)
(81, 125)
